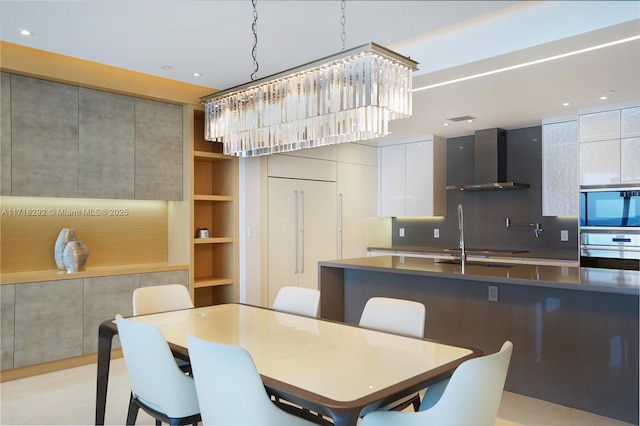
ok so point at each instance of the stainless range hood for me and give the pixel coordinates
(490, 163)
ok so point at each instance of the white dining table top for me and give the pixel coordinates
(337, 361)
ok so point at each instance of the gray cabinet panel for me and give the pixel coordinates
(48, 321)
(44, 143)
(162, 278)
(5, 134)
(106, 151)
(104, 297)
(7, 315)
(158, 153)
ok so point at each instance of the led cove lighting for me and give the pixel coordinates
(526, 64)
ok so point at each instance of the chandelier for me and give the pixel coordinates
(346, 97)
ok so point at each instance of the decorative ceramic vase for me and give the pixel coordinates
(65, 235)
(75, 256)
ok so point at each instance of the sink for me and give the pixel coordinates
(474, 263)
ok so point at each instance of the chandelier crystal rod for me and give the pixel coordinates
(349, 96)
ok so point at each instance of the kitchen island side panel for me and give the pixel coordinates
(575, 348)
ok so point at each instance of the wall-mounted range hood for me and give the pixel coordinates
(490, 163)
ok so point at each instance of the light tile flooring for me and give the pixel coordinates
(68, 398)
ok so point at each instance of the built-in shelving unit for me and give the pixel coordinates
(214, 259)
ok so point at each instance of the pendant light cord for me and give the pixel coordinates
(254, 29)
(343, 21)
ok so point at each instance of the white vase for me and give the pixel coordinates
(65, 235)
(75, 256)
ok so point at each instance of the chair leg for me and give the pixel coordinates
(132, 414)
(158, 422)
(416, 404)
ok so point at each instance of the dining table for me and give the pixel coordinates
(337, 370)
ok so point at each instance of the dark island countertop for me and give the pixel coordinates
(564, 258)
(613, 281)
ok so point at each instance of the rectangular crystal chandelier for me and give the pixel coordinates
(346, 97)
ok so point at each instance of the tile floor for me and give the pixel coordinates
(68, 398)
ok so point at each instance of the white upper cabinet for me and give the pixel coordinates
(610, 146)
(412, 179)
(560, 168)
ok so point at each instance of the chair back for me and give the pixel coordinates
(471, 397)
(230, 390)
(155, 377)
(161, 298)
(399, 316)
(474, 391)
(298, 300)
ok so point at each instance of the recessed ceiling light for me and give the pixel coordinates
(566, 104)
(25, 32)
(196, 74)
(603, 97)
(445, 124)
(606, 94)
(166, 67)
(469, 121)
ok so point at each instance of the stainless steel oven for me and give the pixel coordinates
(610, 227)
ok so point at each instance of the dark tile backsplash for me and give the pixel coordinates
(485, 211)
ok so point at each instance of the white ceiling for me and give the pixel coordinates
(450, 39)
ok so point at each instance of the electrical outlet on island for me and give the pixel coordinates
(402, 232)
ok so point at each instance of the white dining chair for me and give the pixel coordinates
(230, 390)
(158, 386)
(398, 316)
(471, 397)
(161, 298)
(298, 300)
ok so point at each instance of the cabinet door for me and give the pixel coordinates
(560, 169)
(392, 181)
(158, 151)
(630, 122)
(600, 162)
(106, 145)
(600, 126)
(419, 179)
(5, 134)
(630, 160)
(48, 321)
(317, 228)
(282, 211)
(357, 210)
(44, 142)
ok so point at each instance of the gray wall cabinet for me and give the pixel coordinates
(5, 134)
(158, 156)
(60, 140)
(48, 321)
(52, 320)
(44, 138)
(106, 145)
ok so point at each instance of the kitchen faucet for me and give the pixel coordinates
(461, 234)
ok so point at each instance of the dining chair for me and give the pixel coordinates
(471, 397)
(298, 300)
(230, 390)
(161, 298)
(398, 316)
(158, 386)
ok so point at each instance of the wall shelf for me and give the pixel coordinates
(214, 260)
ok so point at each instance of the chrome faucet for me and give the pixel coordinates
(461, 234)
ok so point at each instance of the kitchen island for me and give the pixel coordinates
(575, 330)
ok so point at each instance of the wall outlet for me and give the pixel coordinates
(402, 232)
(493, 293)
(436, 233)
(564, 235)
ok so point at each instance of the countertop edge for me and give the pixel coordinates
(592, 287)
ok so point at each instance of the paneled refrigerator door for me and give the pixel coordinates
(318, 228)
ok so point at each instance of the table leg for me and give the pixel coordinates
(105, 338)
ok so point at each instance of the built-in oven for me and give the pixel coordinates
(610, 227)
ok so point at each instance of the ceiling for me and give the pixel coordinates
(450, 39)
